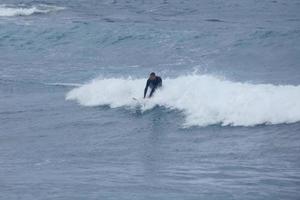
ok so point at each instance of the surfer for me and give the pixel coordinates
(153, 82)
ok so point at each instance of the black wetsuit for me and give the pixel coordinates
(153, 84)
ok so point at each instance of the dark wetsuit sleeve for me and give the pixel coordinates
(159, 82)
(146, 88)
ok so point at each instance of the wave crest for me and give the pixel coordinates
(203, 99)
(21, 10)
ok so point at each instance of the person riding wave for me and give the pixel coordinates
(153, 82)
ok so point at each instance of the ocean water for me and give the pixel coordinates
(225, 125)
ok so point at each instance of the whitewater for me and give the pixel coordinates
(7, 10)
(203, 99)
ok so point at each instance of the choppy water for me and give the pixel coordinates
(224, 126)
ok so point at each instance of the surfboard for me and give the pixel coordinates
(139, 101)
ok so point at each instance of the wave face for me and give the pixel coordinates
(203, 99)
(21, 10)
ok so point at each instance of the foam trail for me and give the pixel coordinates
(203, 99)
(11, 10)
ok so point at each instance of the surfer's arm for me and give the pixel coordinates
(160, 82)
(146, 88)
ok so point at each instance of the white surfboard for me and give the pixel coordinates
(139, 101)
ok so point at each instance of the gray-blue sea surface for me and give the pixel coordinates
(225, 125)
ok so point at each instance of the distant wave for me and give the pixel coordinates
(22, 10)
(64, 84)
(203, 99)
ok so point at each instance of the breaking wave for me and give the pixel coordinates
(203, 99)
(22, 10)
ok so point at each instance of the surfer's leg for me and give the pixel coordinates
(152, 91)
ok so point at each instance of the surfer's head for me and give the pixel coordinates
(152, 76)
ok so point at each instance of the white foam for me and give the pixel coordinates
(203, 99)
(11, 10)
